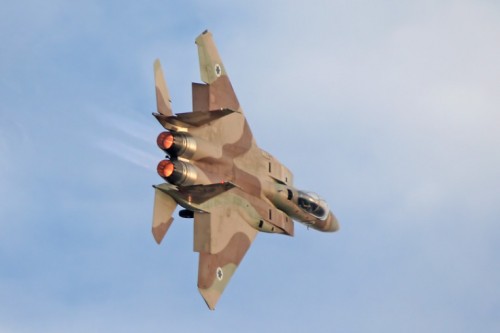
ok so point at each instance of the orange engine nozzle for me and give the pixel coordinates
(165, 168)
(165, 140)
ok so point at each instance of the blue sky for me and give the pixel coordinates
(390, 111)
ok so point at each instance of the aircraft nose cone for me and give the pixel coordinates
(332, 222)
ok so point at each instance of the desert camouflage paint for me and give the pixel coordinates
(218, 174)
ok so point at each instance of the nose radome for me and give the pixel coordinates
(332, 223)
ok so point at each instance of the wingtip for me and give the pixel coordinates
(210, 297)
(205, 34)
(157, 64)
(158, 71)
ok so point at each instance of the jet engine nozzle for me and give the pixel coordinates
(165, 168)
(165, 140)
(177, 172)
(177, 144)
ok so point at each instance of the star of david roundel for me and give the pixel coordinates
(219, 273)
(218, 70)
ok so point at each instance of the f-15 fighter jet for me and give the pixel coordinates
(219, 176)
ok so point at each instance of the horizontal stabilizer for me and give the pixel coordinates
(197, 194)
(191, 119)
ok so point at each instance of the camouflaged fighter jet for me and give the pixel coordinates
(221, 178)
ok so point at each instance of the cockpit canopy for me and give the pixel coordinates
(313, 204)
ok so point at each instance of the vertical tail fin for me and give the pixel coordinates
(162, 214)
(163, 100)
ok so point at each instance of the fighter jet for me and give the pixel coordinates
(215, 171)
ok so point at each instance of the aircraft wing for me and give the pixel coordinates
(218, 92)
(222, 237)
